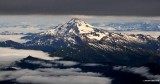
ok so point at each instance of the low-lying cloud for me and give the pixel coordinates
(16, 38)
(54, 76)
(63, 80)
(9, 55)
(143, 71)
(151, 33)
(67, 63)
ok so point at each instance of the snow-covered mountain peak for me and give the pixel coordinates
(74, 26)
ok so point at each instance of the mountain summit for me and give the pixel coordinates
(76, 27)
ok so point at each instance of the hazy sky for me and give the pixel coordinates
(84, 7)
(58, 19)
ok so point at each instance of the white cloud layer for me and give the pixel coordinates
(16, 38)
(63, 80)
(143, 71)
(67, 63)
(22, 30)
(9, 55)
(152, 33)
(54, 76)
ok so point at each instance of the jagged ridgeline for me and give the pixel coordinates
(79, 41)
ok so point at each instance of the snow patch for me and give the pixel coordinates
(97, 37)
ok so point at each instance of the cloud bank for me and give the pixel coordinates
(9, 55)
(143, 71)
(54, 76)
(16, 38)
